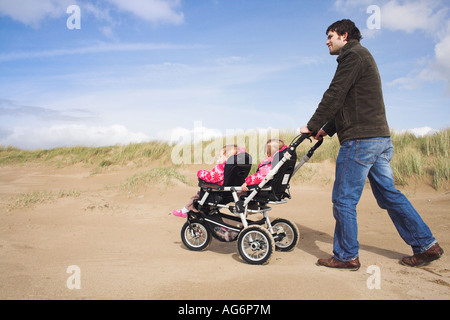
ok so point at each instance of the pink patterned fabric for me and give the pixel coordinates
(263, 169)
(216, 175)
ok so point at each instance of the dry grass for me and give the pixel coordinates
(30, 199)
(419, 158)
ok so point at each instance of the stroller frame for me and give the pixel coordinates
(256, 243)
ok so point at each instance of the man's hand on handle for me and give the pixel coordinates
(319, 136)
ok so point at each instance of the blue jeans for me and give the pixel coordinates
(370, 158)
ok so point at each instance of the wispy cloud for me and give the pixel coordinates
(432, 19)
(441, 64)
(94, 49)
(10, 108)
(32, 12)
(154, 11)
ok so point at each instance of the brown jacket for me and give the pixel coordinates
(353, 105)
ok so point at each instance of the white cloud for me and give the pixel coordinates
(70, 135)
(430, 18)
(441, 65)
(31, 12)
(155, 11)
(414, 79)
(411, 16)
(429, 70)
(419, 132)
(402, 15)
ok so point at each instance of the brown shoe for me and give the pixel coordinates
(424, 258)
(351, 265)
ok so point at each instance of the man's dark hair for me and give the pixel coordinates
(343, 26)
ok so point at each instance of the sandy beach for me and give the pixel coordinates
(127, 245)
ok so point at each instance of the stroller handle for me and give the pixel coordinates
(296, 142)
(301, 138)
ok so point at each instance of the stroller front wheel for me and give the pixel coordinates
(255, 245)
(195, 236)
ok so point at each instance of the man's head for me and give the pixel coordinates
(339, 33)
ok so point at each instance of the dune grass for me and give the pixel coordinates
(415, 159)
(419, 158)
(153, 176)
(141, 153)
(29, 199)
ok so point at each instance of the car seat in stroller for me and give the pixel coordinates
(236, 170)
(277, 188)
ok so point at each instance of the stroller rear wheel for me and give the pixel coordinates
(288, 233)
(255, 245)
(195, 236)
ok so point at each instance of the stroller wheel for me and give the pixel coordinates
(255, 245)
(195, 236)
(286, 234)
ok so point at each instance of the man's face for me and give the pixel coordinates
(336, 42)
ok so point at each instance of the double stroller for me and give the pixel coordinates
(256, 239)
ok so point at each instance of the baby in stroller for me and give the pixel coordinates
(216, 175)
(272, 147)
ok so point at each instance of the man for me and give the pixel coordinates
(353, 108)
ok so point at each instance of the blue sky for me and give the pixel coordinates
(140, 70)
